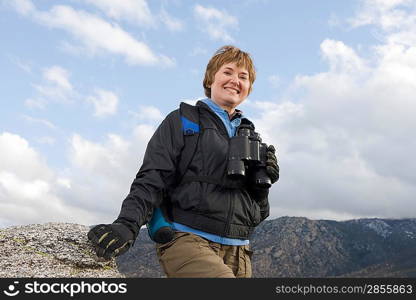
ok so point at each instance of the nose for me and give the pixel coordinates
(234, 80)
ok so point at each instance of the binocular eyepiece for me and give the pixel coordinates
(247, 156)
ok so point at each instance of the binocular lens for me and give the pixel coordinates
(263, 182)
(236, 168)
(261, 179)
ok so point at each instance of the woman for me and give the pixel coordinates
(212, 213)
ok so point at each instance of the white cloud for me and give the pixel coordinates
(173, 24)
(113, 158)
(24, 7)
(134, 11)
(24, 190)
(137, 12)
(89, 155)
(24, 202)
(89, 191)
(56, 87)
(16, 156)
(397, 18)
(341, 58)
(96, 35)
(384, 13)
(59, 76)
(215, 22)
(39, 121)
(27, 190)
(315, 214)
(65, 182)
(105, 103)
(142, 134)
(101, 173)
(148, 113)
(49, 92)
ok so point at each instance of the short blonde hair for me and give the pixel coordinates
(224, 55)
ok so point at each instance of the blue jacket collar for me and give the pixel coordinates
(218, 109)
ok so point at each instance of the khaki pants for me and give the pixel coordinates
(191, 256)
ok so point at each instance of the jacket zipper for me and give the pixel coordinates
(231, 206)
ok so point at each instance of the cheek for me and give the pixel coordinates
(216, 87)
(246, 88)
(217, 83)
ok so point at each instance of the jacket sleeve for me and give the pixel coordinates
(261, 196)
(156, 173)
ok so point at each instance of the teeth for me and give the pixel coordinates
(231, 89)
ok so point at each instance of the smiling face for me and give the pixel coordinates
(230, 87)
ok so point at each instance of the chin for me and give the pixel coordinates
(233, 100)
(232, 103)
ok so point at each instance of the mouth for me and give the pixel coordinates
(233, 90)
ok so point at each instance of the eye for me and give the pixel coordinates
(227, 72)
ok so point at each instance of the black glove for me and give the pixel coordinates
(272, 167)
(111, 240)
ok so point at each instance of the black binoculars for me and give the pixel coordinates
(247, 156)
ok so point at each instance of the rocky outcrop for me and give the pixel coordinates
(51, 250)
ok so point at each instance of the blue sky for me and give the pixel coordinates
(85, 84)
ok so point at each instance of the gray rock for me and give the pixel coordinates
(51, 250)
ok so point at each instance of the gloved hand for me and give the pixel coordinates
(111, 240)
(272, 167)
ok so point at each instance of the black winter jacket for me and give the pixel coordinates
(227, 209)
